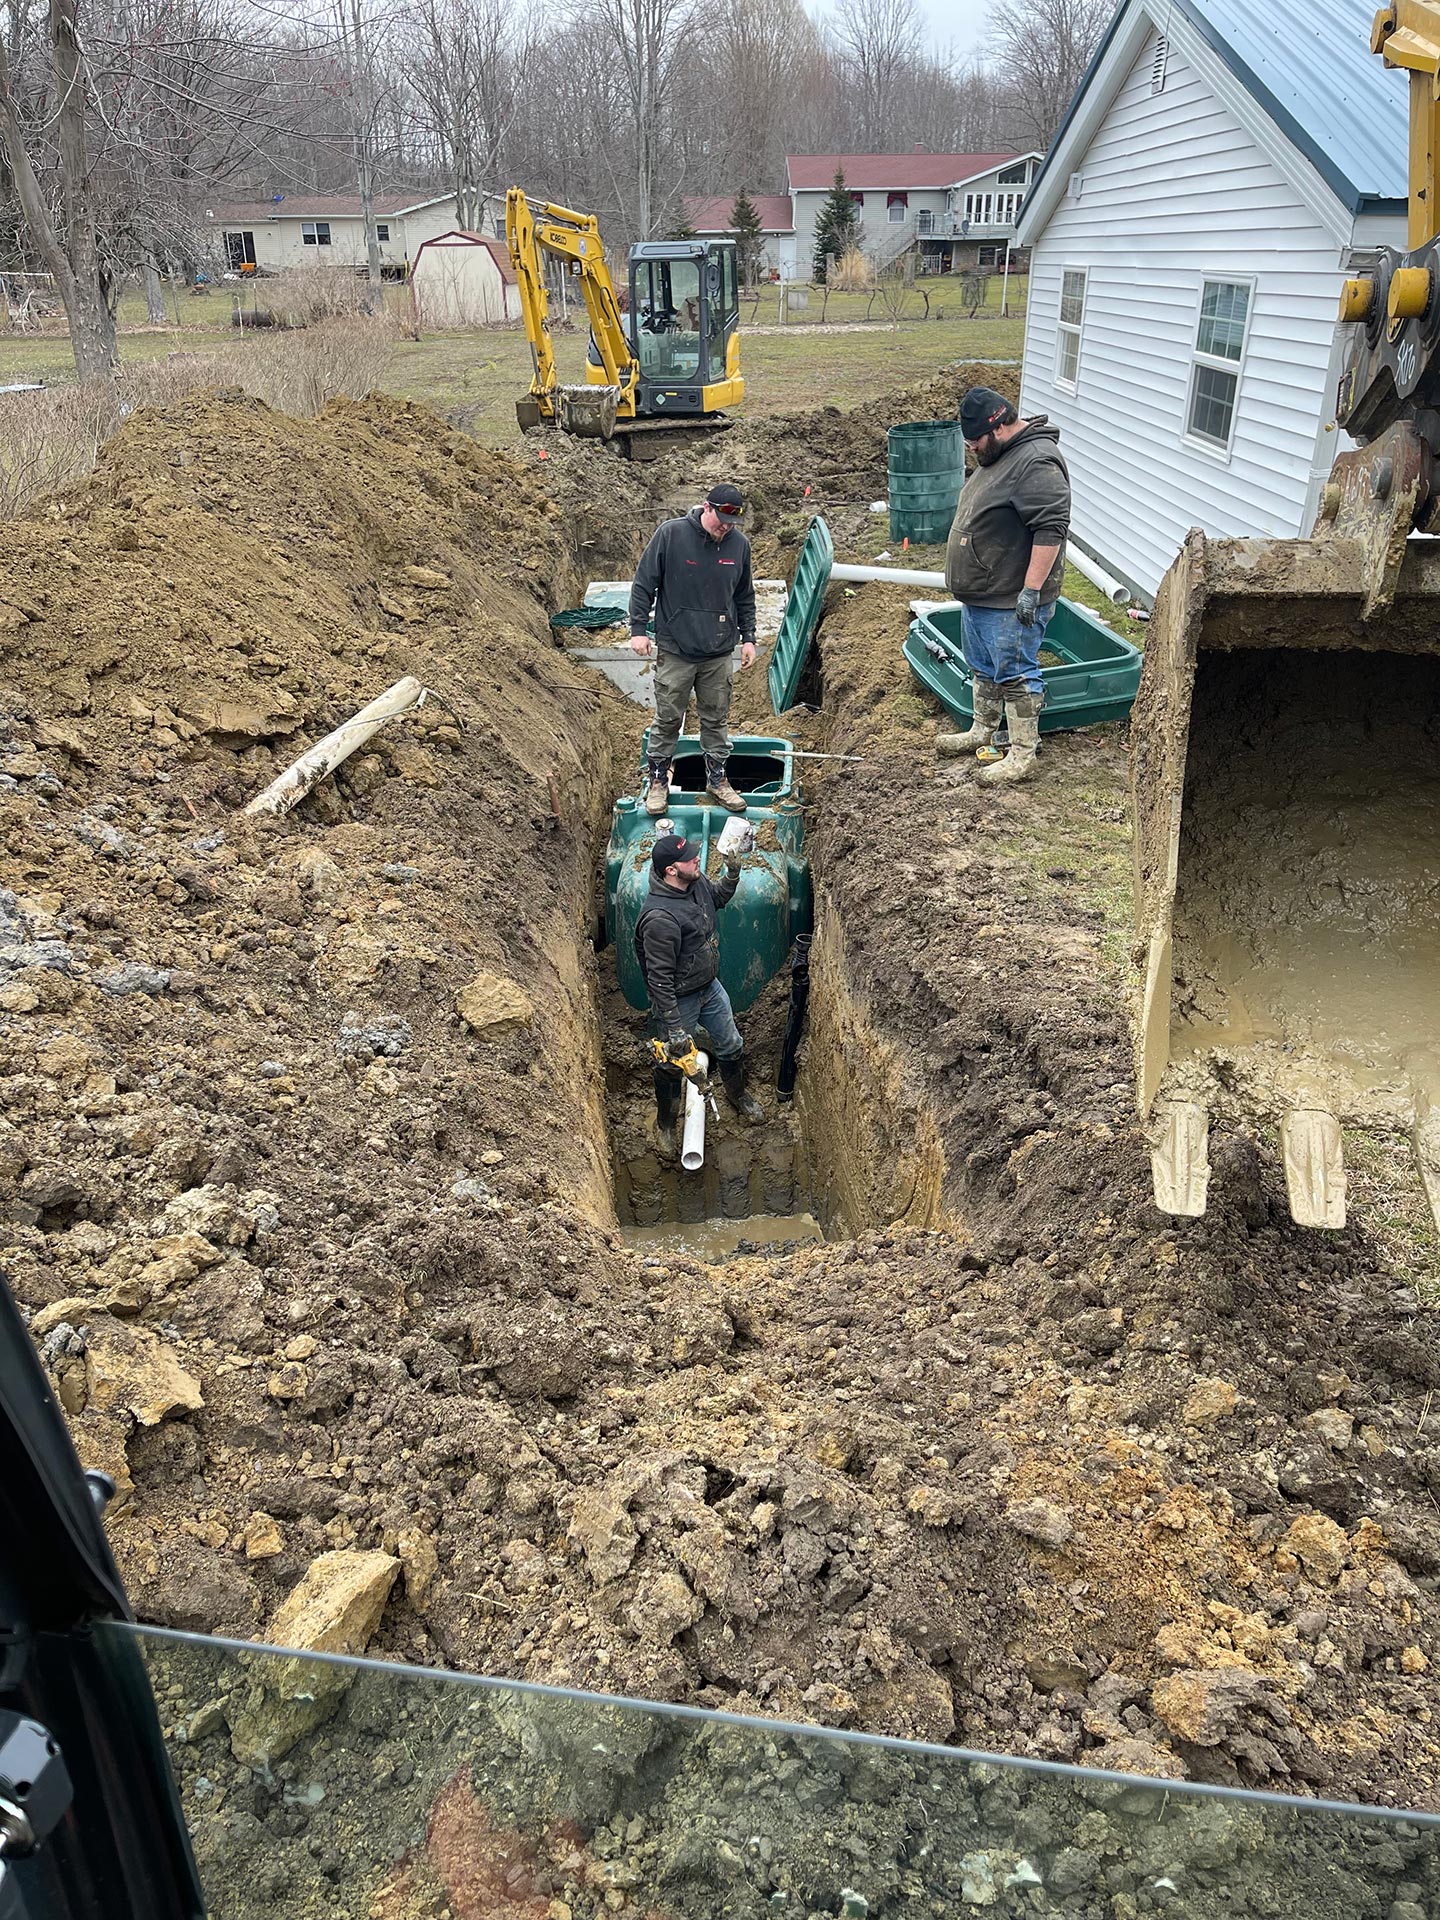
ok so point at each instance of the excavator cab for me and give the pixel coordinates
(683, 322)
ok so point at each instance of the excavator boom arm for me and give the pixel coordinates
(1407, 34)
(574, 237)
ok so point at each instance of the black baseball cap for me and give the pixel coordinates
(982, 410)
(726, 498)
(670, 848)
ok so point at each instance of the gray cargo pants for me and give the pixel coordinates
(676, 676)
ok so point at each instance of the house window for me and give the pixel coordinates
(1067, 333)
(987, 256)
(315, 233)
(1219, 350)
(239, 250)
(382, 229)
(858, 199)
(925, 221)
(896, 205)
(1013, 176)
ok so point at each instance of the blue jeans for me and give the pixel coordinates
(710, 1009)
(998, 648)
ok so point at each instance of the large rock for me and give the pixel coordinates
(335, 1609)
(130, 1370)
(491, 1004)
(1319, 1544)
(1203, 1707)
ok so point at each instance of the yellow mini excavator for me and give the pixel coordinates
(672, 362)
(1287, 768)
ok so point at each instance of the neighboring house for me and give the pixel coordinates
(461, 279)
(326, 230)
(1189, 233)
(710, 219)
(957, 211)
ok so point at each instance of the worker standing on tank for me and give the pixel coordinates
(696, 574)
(1004, 564)
(677, 942)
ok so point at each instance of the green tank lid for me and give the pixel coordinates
(802, 616)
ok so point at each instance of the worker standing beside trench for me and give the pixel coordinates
(698, 566)
(677, 942)
(1004, 564)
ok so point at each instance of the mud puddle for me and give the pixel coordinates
(716, 1241)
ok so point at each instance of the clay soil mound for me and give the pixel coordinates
(305, 1165)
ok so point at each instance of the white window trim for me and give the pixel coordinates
(1221, 455)
(1062, 327)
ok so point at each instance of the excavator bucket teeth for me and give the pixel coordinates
(589, 412)
(1286, 772)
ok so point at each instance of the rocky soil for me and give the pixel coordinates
(305, 1175)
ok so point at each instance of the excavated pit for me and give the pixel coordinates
(1307, 922)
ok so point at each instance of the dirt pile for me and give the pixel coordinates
(833, 460)
(304, 1146)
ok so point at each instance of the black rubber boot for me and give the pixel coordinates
(732, 1078)
(668, 1088)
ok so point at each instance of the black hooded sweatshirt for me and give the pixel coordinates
(677, 939)
(705, 592)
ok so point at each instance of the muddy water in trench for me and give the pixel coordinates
(1308, 907)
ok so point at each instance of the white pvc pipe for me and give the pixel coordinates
(917, 577)
(892, 576)
(692, 1140)
(1097, 576)
(301, 775)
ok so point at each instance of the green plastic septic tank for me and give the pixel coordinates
(772, 904)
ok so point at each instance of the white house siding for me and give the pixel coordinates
(1175, 192)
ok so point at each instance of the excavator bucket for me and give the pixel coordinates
(1287, 805)
(589, 412)
(527, 412)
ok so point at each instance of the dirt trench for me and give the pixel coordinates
(321, 1260)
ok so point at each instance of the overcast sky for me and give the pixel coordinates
(958, 23)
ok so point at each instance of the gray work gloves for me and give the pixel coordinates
(1027, 606)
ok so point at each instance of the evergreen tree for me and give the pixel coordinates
(749, 237)
(837, 228)
(680, 227)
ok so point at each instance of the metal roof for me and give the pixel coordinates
(1309, 65)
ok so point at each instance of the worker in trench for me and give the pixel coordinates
(677, 942)
(1004, 564)
(696, 574)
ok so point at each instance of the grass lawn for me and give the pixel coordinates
(801, 365)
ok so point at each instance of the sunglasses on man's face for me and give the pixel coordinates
(730, 511)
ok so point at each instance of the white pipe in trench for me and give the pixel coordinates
(692, 1140)
(1097, 576)
(918, 577)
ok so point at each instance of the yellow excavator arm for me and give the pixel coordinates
(574, 238)
(1407, 34)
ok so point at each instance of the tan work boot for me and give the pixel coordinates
(657, 788)
(1022, 717)
(989, 712)
(718, 786)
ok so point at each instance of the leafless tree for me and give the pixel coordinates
(879, 42)
(1041, 49)
(648, 39)
(466, 62)
(68, 242)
